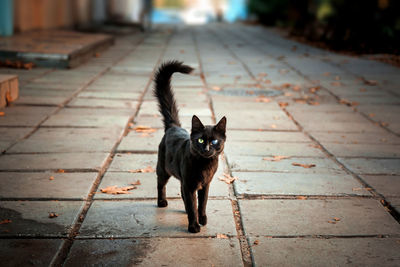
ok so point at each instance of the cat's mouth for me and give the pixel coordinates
(208, 155)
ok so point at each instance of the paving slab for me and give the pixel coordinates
(201, 109)
(356, 138)
(372, 166)
(109, 95)
(386, 185)
(254, 163)
(31, 218)
(156, 252)
(25, 116)
(273, 149)
(144, 218)
(46, 185)
(53, 161)
(356, 216)
(267, 136)
(127, 162)
(265, 183)
(40, 100)
(326, 252)
(103, 103)
(141, 142)
(148, 186)
(26, 252)
(89, 117)
(156, 121)
(364, 150)
(73, 140)
(345, 127)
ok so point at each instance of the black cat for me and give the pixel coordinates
(193, 159)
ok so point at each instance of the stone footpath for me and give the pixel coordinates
(313, 138)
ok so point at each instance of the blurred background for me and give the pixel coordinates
(368, 26)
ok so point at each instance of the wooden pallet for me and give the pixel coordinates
(8, 89)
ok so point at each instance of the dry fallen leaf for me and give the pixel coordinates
(336, 219)
(2, 113)
(276, 158)
(348, 103)
(5, 221)
(336, 83)
(60, 171)
(51, 178)
(145, 170)
(301, 197)
(313, 90)
(222, 236)
(114, 190)
(371, 82)
(296, 88)
(256, 242)
(262, 98)
(307, 166)
(227, 178)
(267, 81)
(283, 104)
(136, 183)
(53, 215)
(144, 129)
(273, 126)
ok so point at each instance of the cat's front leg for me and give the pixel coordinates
(189, 197)
(203, 197)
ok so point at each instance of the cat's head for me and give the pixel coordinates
(207, 141)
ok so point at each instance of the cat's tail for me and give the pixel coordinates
(163, 91)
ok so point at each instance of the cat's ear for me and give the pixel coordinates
(221, 125)
(196, 124)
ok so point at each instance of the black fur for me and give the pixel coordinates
(193, 159)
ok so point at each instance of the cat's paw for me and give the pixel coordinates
(162, 203)
(195, 228)
(203, 220)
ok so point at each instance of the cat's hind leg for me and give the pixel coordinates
(162, 180)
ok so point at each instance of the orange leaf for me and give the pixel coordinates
(276, 158)
(117, 190)
(256, 242)
(301, 197)
(227, 178)
(51, 178)
(307, 166)
(283, 104)
(144, 129)
(53, 215)
(262, 98)
(2, 113)
(60, 171)
(336, 83)
(222, 236)
(136, 183)
(147, 169)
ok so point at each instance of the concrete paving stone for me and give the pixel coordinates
(395, 203)
(372, 166)
(304, 117)
(73, 140)
(25, 115)
(156, 122)
(140, 142)
(264, 183)
(156, 252)
(258, 121)
(62, 87)
(31, 218)
(272, 149)
(109, 95)
(25, 252)
(127, 162)
(4, 144)
(148, 187)
(356, 216)
(345, 127)
(103, 103)
(333, 108)
(81, 117)
(12, 134)
(182, 80)
(150, 108)
(254, 163)
(269, 109)
(25, 90)
(144, 218)
(326, 252)
(386, 185)
(266, 136)
(53, 161)
(363, 150)
(40, 100)
(46, 185)
(381, 100)
(356, 138)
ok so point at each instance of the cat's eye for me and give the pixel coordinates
(200, 140)
(214, 142)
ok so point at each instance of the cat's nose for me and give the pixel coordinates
(207, 148)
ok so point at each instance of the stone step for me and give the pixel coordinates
(8, 89)
(53, 48)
